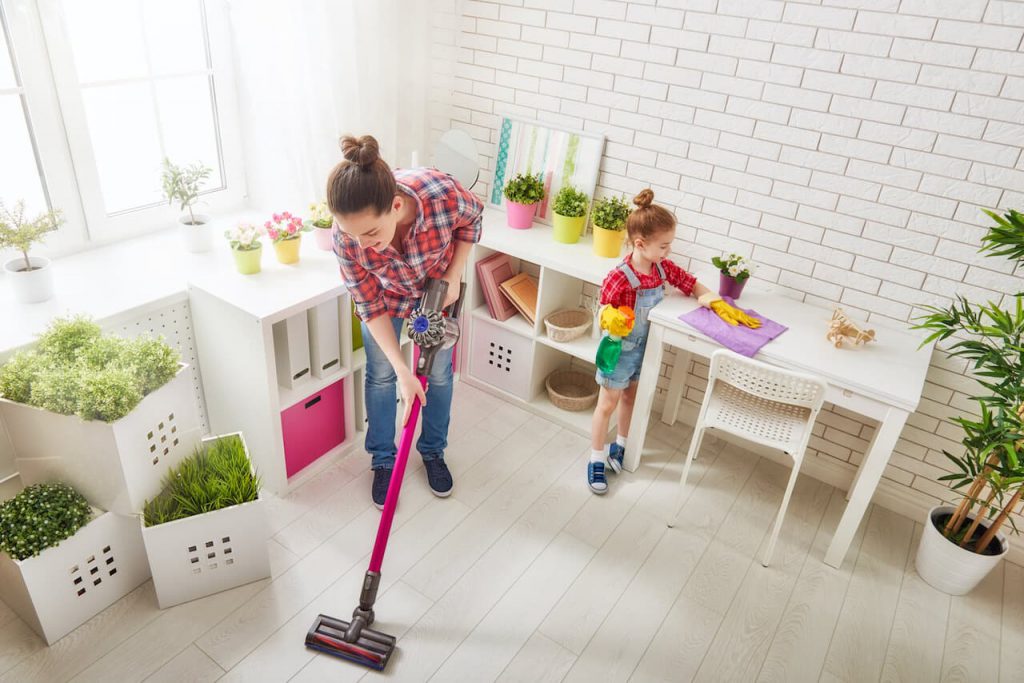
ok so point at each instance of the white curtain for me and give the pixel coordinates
(309, 71)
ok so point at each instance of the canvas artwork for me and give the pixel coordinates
(560, 157)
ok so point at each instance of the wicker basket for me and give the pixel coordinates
(568, 324)
(571, 389)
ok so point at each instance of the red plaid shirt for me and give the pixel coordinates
(616, 290)
(391, 283)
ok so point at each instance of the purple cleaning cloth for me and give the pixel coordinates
(740, 339)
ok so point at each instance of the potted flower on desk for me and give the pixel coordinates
(570, 209)
(31, 276)
(322, 223)
(609, 219)
(181, 184)
(522, 194)
(246, 247)
(285, 230)
(735, 271)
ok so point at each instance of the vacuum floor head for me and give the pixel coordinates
(370, 648)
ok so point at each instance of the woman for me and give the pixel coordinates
(396, 229)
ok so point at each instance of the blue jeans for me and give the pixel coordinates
(382, 397)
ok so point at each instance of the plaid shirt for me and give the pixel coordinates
(391, 283)
(616, 290)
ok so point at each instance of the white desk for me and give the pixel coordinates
(882, 380)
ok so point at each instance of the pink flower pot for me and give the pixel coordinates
(324, 238)
(520, 216)
(729, 286)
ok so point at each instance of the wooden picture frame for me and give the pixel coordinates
(491, 272)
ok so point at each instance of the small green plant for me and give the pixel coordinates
(524, 189)
(40, 517)
(66, 338)
(320, 216)
(570, 202)
(610, 213)
(215, 476)
(17, 232)
(18, 375)
(182, 183)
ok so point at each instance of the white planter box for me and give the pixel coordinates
(947, 566)
(65, 586)
(198, 556)
(291, 351)
(118, 465)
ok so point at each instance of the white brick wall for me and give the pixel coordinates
(849, 146)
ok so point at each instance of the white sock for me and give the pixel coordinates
(621, 440)
(599, 455)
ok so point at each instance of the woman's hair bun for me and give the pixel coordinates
(644, 199)
(363, 150)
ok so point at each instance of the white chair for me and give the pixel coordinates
(762, 404)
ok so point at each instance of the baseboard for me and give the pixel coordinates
(10, 486)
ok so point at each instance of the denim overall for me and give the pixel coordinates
(634, 345)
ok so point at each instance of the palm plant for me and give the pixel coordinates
(991, 339)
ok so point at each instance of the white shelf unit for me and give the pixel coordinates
(563, 272)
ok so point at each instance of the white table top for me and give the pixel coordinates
(891, 369)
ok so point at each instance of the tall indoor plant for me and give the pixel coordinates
(569, 214)
(609, 219)
(31, 277)
(962, 544)
(181, 185)
(522, 194)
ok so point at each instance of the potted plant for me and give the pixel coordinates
(322, 221)
(31, 276)
(62, 562)
(735, 271)
(182, 184)
(245, 243)
(609, 219)
(961, 544)
(285, 231)
(522, 194)
(108, 415)
(570, 214)
(207, 529)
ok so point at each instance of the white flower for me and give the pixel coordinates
(734, 270)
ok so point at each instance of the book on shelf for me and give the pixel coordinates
(491, 273)
(522, 292)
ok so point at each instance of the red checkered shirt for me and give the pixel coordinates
(616, 290)
(391, 283)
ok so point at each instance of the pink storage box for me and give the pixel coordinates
(313, 426)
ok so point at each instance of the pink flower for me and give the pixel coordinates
(273, 233)
(276, 217)
(291, 229)
(267, 225)
(286, 215)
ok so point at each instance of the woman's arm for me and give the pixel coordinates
(455, 270)
(409, 386)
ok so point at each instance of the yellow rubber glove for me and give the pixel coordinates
(730, 314)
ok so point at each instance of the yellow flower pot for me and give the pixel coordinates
(608, 243)
(248, 260)
(288, 250)
(567, 229)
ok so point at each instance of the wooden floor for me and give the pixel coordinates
(524, 575)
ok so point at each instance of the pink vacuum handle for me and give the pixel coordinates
(397, 474)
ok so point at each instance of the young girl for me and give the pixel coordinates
(398, 228)
(639, 282)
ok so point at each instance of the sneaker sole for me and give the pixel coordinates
(615, 465)
(599, 492)
(442, 494)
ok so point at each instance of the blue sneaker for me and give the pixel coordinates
(595, 477)
(381, 482)
(438, 477)
(615, 455)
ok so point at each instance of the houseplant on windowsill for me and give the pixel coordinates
(735, 271)
(285, 231)
(569, 214)
(31, 277)
(961, 544)
(522, 194)
(246, 247)
(181, 185)
(609, 219)
(321, 221)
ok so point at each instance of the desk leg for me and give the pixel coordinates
(865, 483)
(644, 398)
(676, 387)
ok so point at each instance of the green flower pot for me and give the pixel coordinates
(567, 229)
(248, 260)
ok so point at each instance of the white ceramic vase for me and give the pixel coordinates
(196, 238)
(30, 286)
(945, 565)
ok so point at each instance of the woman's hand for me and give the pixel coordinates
(409, 388)
(454, 281)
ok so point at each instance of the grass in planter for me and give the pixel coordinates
(216, 476)
(40, 517)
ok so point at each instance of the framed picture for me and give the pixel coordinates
(560, 156)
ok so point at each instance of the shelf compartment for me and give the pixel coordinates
(325, 338)
(501, 357)
(291, 350)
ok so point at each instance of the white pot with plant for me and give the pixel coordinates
(569, 214)
(107, 415)
(182, 185)
(962, 544)
(63, 562)
(207, 530)
(322, 222)
(31, 277)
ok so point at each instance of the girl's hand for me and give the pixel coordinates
(409, 388)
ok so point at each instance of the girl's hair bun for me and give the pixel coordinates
(644, 199)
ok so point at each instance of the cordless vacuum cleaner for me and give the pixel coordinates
(354, 640)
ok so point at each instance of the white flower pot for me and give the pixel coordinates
(209, 553)
(945, 565)
(63, 587)
(196, 238)
(116, 465)
(30, 286)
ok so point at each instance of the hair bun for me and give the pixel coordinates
(644, 199)
(363, 150)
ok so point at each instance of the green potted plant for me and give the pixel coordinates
(206, 531)
(31, 277)
(182, 185)
(961, 544)
(569, 214)
(522, 194)
(322, 221)
(734, 271)
(609, 218)
(245, 243)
